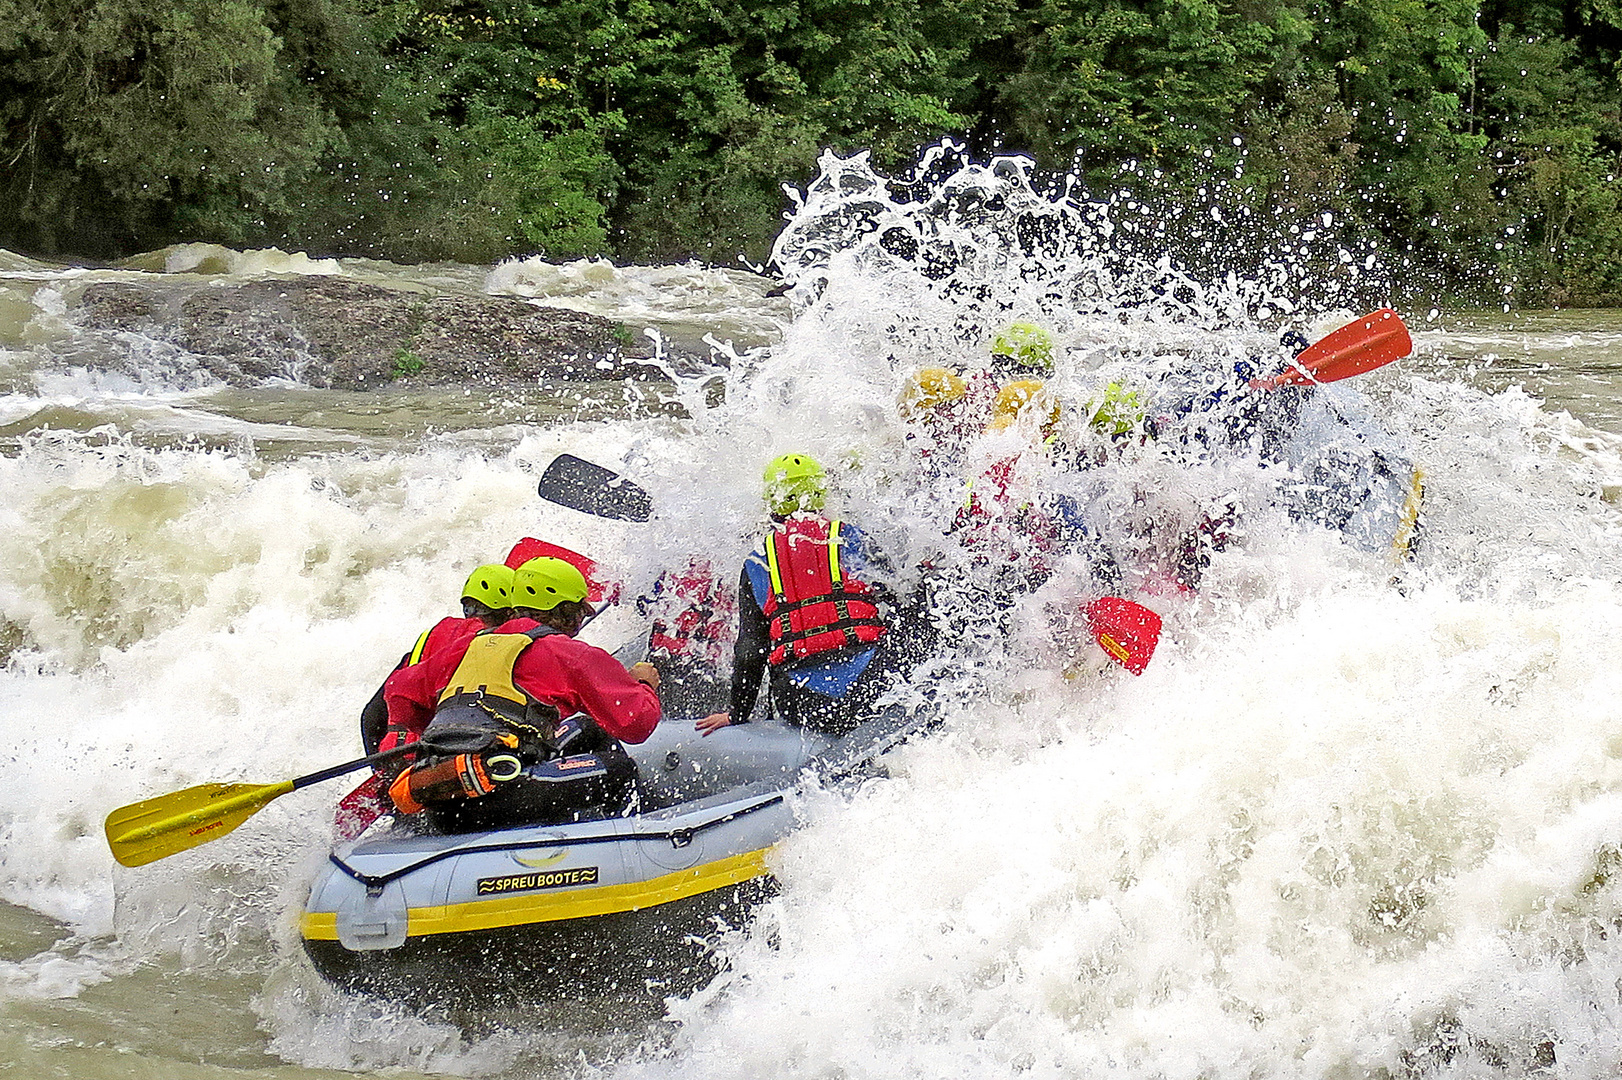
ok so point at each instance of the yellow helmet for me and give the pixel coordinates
(1013, 399)
(929, 388)
(491, 585)
(542, 584)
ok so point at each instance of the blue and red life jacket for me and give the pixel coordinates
(813, 608)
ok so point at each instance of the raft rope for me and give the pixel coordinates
(679, 838)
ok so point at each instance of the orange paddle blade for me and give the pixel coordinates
(1126, 630)
(1362, 345)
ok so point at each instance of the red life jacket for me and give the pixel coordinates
(693, 615)
(813, 608)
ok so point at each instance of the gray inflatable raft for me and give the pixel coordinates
(616, 904)
(1347, 473)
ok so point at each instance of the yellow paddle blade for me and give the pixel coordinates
(154, 829)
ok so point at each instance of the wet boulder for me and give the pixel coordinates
(351, 335)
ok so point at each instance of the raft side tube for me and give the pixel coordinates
(381, 891)
(535, 906)
(677, 764)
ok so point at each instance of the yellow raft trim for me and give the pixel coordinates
(1408, 523)
(555, 907)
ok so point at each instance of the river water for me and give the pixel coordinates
(1352, 821)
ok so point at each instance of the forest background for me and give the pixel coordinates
(1481, 143)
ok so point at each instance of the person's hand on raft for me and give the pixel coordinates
(712, 723)
(644, 672)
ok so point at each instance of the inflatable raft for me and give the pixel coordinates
(1332, 462)
(613, 905)
(1345, 472)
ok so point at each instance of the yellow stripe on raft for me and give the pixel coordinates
(539, 907)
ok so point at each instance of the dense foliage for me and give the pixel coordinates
(1483, 140)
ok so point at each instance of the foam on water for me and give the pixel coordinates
(174, 617)
(214, 259)
(1338, 827)
(1352, 819)
(685, 301)
(1399, 853)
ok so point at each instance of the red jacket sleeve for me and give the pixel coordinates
(622, 706)
(578, 677)
(410, 699)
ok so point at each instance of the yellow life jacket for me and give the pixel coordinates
(482, 688)
(487, 668)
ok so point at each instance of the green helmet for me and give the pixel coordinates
(1027, 344)
(1118, 411)
(542, 584)
(794, 482)
(491, 585)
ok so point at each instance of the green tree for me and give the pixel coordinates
(127, 122)
(1481, 140)
(706, 108)
(1555, 165)
(1157, 82)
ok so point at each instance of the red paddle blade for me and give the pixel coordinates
(1362, 345)
(1127, 631)
(359, 809)
(529, 548)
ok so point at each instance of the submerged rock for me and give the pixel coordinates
(350, 335)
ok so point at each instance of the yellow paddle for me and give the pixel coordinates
(156, 828)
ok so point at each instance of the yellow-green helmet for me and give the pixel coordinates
(491, 585)
(1026, 344)
(795, 483)
(542, 584)
(1117, 410)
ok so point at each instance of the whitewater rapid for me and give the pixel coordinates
(1356, 819)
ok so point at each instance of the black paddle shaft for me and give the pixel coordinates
(351, 766)
(591, 489)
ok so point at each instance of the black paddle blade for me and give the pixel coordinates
(591, 489)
